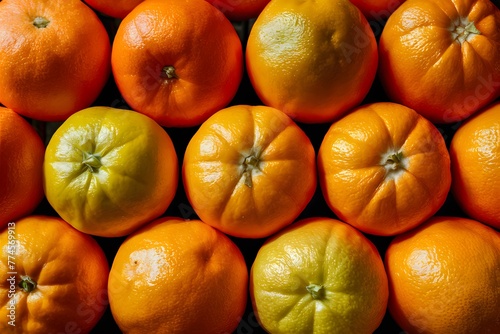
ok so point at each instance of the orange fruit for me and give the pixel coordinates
(108, 171)
(312, 59)
(115, 8)
(177, 61)
(449, 50)
(53, 278)
(377, 9)
(54, 57)
(319, 275)
(249, 171)
(240, 10)
(384, 168)
(177, 276)
(443, 277)
(475, 166)
(21, 177)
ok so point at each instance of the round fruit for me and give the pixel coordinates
(384, 169)
(319, 276)
(54, 57)
(377, 9)
(314, 60)
(177, 61)
(115, 8)
(108, 171)
(475, 165)
(249, 171)
(21, 171)
(443, 277)
(449, 50)
(53, 278)
(177, 276)
(239, 10)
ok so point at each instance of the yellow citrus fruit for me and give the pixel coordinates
(107, 171)
(444, 277)
(319, 275)
(312, 59)
(177, 276)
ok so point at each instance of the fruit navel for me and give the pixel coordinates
(317, 291)
(92, 161)
(249, 164)
(27, 283)
(40, 22)
(168, 73)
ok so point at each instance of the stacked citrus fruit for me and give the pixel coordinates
(197, 210)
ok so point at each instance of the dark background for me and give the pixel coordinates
(180, 206)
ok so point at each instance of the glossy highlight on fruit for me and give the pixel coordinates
(178, 276)
(443, 277)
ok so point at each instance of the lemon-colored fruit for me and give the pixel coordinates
(319, 276)
(108, 171)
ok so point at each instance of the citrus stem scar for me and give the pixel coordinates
(168, 72)
(92, 161)
(317, 291)
(471, 28)
(27, 283)
(250, 163)
(462, 31)
(40, 22)
(394, 160)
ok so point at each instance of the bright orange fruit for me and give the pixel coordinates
(52, 278)
(443, 277)
(314, 59)
(384, 168)
(177, 276)
(54, 57)
(475, 165)
(249, 171)
(440, 58)
(21, 156)
(177, 61)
